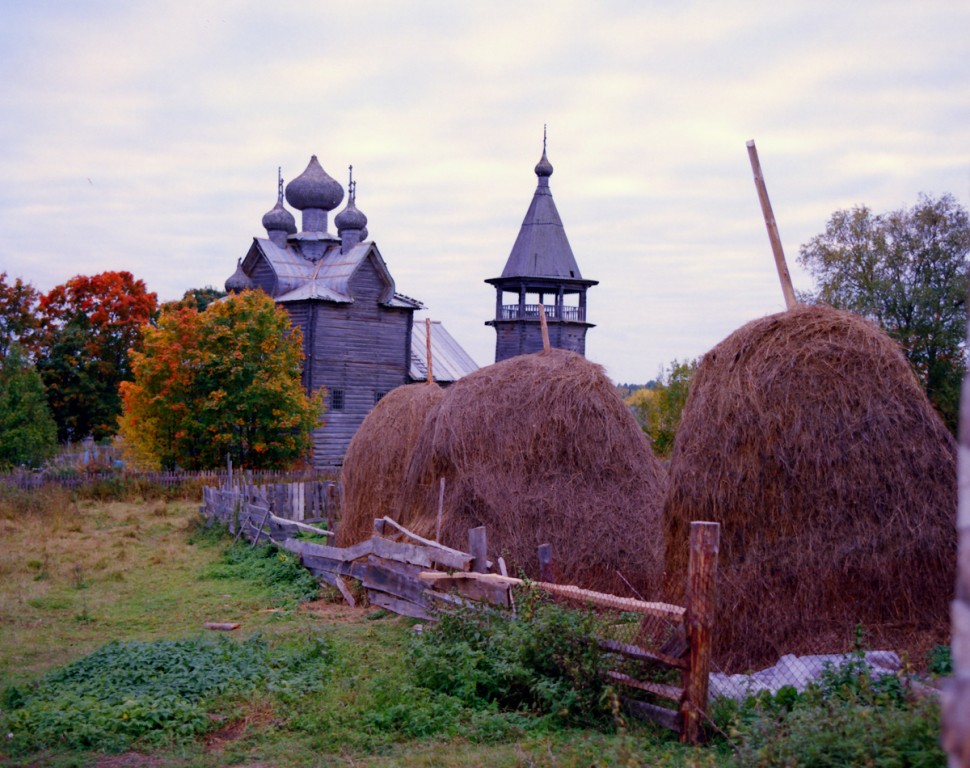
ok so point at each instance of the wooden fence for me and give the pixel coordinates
(411, 575)
(30, 481)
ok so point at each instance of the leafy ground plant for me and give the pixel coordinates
(278, 570)
(848, 718)
(158, 692)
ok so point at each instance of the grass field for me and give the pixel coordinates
(314, 683)
(75, 575)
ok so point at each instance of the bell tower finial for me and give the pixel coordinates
(279, 184)
(544, 126)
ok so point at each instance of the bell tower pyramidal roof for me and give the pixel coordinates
(542, 248)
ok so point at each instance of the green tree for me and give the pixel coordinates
(89, 326)
(200, 298)
(224, 381)
(28, 435)
(659, 408)
(909, 271)
(19, 320)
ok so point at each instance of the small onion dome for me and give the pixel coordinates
(279, 219)
(314, 188)
(544, 167)
(363, 234)
(239, 281)
(350, 217)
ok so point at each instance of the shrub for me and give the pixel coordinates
(545, 661)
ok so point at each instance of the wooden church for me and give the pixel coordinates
(358, 330)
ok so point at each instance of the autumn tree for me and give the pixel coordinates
(225, 381)
(28, 435)
(658, 408)
(909, 271)
(89, 324)
(19, 321)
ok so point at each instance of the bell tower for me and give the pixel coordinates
(541, 270)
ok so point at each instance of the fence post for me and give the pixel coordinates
(547, 566)
(699, 620)
(332, 507)
(477, 546)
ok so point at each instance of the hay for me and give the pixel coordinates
(377, 459)
(808, 438)
(541, 449)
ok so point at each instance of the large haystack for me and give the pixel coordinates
(807, 436)
(378, 457)
(541, 449)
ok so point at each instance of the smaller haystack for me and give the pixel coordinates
(378, 457)
(807, 436)
(541, 449)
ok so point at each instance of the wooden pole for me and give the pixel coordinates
(477, 547)
(699, 620)
(956, 692)
(759, 182)
(545, 328)
(427, 333)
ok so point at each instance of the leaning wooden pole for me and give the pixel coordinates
(699, 619)
(956, 694)
(771, 224)
(545, 328)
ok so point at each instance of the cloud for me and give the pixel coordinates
(148, 139)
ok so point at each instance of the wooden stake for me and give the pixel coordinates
(759, 182)
(545, 328)
(427, 333)
(547, 567)
(477, 546)
(699, 619)
(441, 509)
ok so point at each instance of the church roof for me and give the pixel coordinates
(449, 362)
(328, 279)
(542, 248)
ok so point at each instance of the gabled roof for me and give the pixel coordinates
(449, 362)
(328, 279)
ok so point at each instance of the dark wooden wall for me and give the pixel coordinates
(361, 349)
(523, 337)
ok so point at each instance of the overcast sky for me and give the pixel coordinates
(146, 137)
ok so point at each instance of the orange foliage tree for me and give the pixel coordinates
(88, 326)
(225, 381)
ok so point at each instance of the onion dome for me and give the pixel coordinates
(544, 167)
(239, 281)
(350, 217)
(314, 188)
(279, 219)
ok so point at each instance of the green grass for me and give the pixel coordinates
(102, 606)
